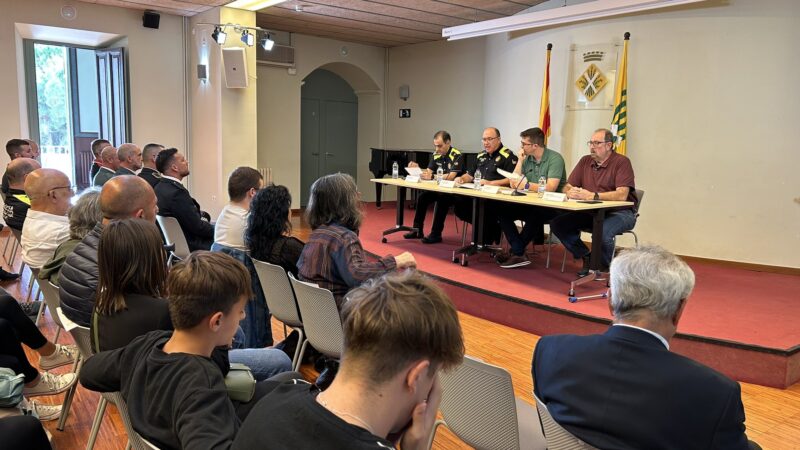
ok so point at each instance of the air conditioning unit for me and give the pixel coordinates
(280, 56)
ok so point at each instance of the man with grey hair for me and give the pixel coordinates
(130, 159)
(109, 163)
(625, 389)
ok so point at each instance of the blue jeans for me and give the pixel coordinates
(263, 362)
(534, 218)
(567, 227)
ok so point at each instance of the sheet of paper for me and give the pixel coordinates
(414, 171)
(467, 185)
(510, 175)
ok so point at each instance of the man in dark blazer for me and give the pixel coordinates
(624, 389)
(174, 200)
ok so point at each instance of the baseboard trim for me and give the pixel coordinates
(744, 265)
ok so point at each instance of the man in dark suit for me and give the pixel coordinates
(149, 171)
(624, 389)
(174, 200)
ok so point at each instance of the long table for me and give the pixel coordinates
(479, 198)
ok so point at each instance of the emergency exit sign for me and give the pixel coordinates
(405, 113)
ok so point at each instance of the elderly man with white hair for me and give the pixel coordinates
(625, 389)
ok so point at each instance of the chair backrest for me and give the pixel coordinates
(136, 441)
(173, 234)
(478, 405)
(639, 194)
(17, 234)
(278, 293)
(556, 436)
(52, 299)
(321, 320)
(81, 334)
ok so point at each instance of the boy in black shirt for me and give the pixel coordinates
(399, 331)
(175, 392)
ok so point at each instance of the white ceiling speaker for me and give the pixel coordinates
(68, 12)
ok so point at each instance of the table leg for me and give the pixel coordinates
(378, 192)
(400, 212)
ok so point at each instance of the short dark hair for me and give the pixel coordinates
(98, 145)
(399, 318)
(268, 219)
(203, 284)
(165, 158)
(151, 148)
(130, 260)
(334, 198)
(442, 134)
(536, 136)
(14, 146)
(243, 179)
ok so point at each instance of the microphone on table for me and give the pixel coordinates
(516, 192)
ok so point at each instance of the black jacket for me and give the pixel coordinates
(78, 279)
(152, 176)
(174, 201)
(624, 390)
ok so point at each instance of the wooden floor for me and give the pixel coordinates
(773, 415)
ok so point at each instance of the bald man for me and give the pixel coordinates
(130, 159)
(109, 163)
(46, 224)
(17, 201)
(122, 197)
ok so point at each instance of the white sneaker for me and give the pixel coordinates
(45, 412)
(50, 384)
(64, 354)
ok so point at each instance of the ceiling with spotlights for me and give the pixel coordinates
(384, 23)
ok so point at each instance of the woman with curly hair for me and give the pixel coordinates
(268, 234)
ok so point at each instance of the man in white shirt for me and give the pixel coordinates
(46, 224)
(243, 184)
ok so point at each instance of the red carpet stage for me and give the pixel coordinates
(743, 323)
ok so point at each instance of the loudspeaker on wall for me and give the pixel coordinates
(151, 19)
(233, 59)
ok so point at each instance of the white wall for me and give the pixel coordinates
(710, 118)
(279, 106)
(155, 67)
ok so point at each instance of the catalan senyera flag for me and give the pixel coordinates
(619, 124)
(544, 106)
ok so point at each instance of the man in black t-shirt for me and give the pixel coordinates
(451, 161)
(399, 331)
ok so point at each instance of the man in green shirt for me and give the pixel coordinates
(537, 161)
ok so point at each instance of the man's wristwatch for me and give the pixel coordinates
(597, 196)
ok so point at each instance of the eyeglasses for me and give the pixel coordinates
(488, 139)
(596, 143)
(71, 188)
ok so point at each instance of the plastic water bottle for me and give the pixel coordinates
(395, 170)
(540, 190)
(477, 179)
(439, 174)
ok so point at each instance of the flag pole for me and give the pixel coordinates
(619, 123)
(544, 105)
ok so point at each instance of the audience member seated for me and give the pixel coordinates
(46, 224)
(130, 159)
(34, 149)
(125, 196)
(603, 174)
(174, 200)
(130, 303)
(625, 389)
(109, 163)
(269, 230)
(536, 162)
(16, 148)
(243, 184)
(97, 146)
(23, 433)
(333, 257)
(17, 202)
(83, 217)
(16, 329)
(175, 393)
(399, 332)
(149, 171)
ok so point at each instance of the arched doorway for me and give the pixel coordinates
(328, 128)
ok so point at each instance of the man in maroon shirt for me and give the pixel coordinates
(603, 174)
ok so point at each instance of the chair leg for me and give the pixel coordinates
(564, 260)
(65, 406)
(302, 352)
(436, 426)
(549, 248)
(58, 333)
(98, 419)
(41, 311)
(297, 358)
(285, 332)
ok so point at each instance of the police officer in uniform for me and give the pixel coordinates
(494, 156)
(451, 161)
